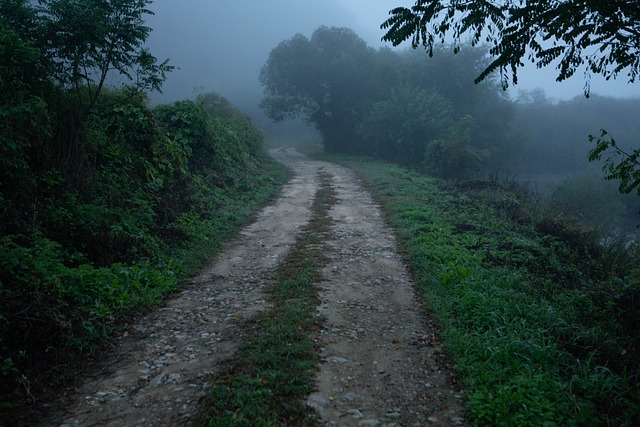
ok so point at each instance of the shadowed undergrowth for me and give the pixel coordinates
(85, 250)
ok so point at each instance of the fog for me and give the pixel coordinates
(221, 45)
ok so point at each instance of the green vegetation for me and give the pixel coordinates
(538, 317)
(91, 258)
(391, 105)
(106, 205)
(275, 369)
(603, 38)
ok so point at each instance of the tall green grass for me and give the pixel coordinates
(530, 309)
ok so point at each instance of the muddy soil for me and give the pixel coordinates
(381, 364)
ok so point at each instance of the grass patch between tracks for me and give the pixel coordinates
(274, 370)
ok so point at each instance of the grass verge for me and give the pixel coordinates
(274, 370)
(534, 314)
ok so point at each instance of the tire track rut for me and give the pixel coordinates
(379, 363)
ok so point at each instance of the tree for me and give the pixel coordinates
(76, 46)
(24, 119)
(323, 79)
(452, 76)
(602, 36)
(399, 127)
(55, 58)
(89, 39)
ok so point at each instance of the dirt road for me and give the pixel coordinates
(380, 363)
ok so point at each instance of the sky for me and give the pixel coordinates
(220, 45)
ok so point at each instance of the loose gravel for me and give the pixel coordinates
(381, 363)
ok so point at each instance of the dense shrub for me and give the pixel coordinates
(105, 203)
(453, 156)
(102, 241)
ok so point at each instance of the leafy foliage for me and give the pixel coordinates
(390, 105)
(105, 204)
(90, 39)
(148, 213)
(60, 53)
(603, 36)
(626, 170)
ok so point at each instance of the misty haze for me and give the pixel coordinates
(337, 213)
(212, 55)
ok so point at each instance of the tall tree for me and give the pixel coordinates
(55, 58)
(323, 79)
(89, 39)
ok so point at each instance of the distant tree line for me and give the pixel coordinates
(556, 131)
(602, 38)
(554, 153)
(428, 113)
(391, 105)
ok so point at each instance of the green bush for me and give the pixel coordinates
(452, 157)
(51, 309)
(397, 128)
(86, 248)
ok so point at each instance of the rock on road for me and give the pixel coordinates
(380, 364)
